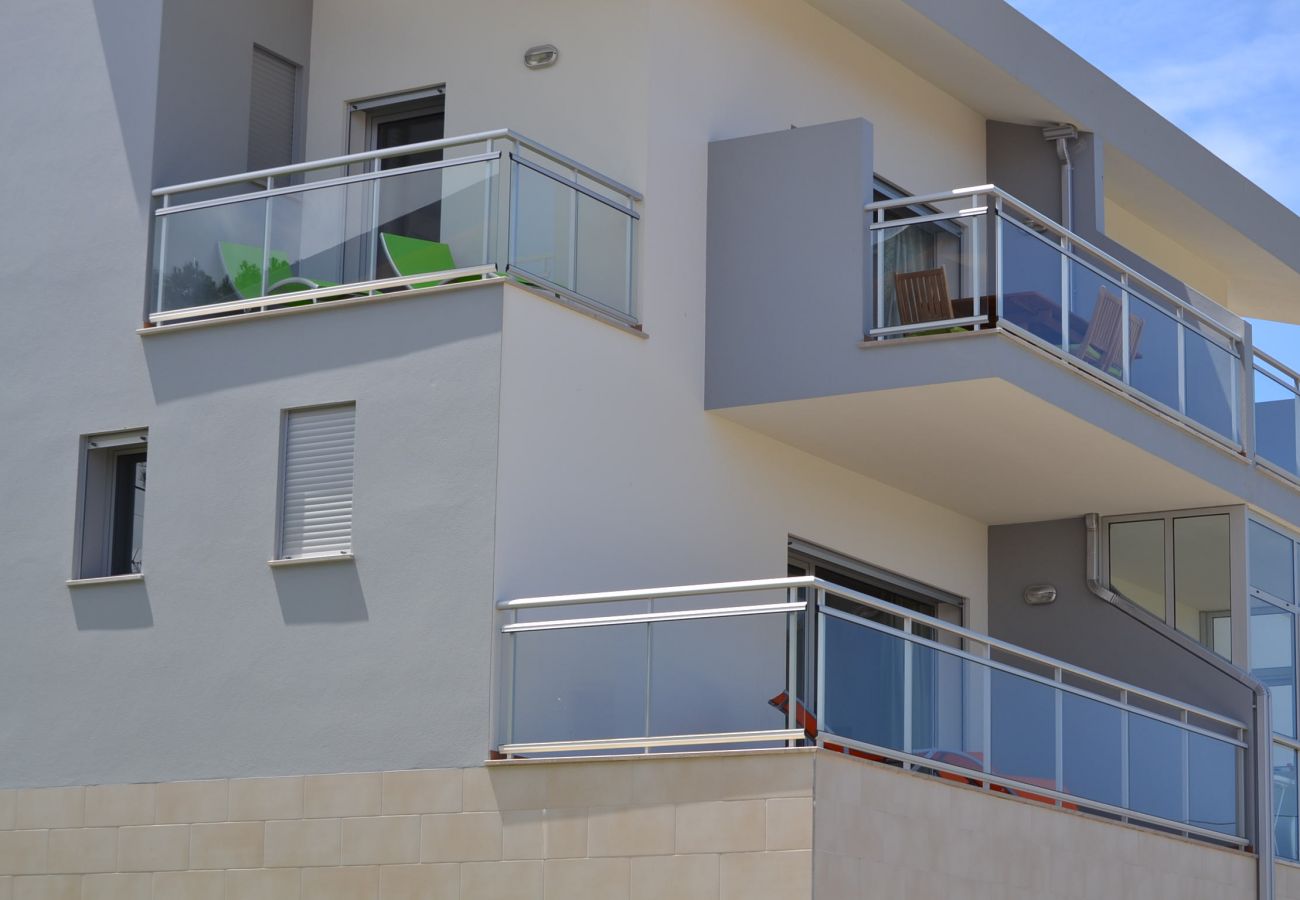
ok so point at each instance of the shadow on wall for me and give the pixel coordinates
(124, 28)
(111, 607)
(320, 593)
(193, 362)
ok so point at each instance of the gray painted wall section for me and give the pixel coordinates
(1083, 629)
(788, 260)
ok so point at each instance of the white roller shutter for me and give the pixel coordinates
(316, 498)
(272, 111)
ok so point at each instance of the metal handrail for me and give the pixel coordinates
(1065, 233)
(1281, 367)
(403, 150)
(810, 581)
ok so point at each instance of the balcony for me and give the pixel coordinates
(802, 661)
(487, 205)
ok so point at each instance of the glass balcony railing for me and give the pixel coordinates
(418, 216)
(797, 661)
(1277, 414)
(974, 258)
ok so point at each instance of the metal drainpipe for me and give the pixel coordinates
(1261, 724)
(1062, 135)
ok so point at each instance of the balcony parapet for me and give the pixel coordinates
(803, 661)
(412, 217)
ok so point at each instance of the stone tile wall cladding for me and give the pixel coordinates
(712, 827)
(722, 826)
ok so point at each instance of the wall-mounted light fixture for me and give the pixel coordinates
(541, 56)
(1040, 594)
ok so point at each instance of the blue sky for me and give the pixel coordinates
(1227, 73)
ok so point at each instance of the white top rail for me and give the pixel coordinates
(809, 581)
(1222, 320)
(403, 150)
(1281, 367)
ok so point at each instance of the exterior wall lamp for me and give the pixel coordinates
(542, 56)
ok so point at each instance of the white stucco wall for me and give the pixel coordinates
(611, 474)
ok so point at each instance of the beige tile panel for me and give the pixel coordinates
(265, 798)
(341, 883)
(522, 834)
(421, 791)
(630, 831)
(62, 807)
(206, 885)
(302, 842)
(735, 776)
(8, 809)
(458, 837)
(693, 877)
(329, 796)
(263, 884)
(76, 850)
(133, 886)
(153, 848)
(588, 784)
(490, 788)
(227, 845)
(721, 826)
(24, 852)
(191, 801)
(789, 823)
(46, 887)
(381, 840)
(564, 833)
(433, 881)
(783, 875)
(512, 880)
(120, 804)
(588, 879)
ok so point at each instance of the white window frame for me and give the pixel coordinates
(92, 546)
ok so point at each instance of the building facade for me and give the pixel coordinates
(616, 449)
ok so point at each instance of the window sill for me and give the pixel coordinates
(311, 560)
(105, 579)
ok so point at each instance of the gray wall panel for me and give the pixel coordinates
(788, 259)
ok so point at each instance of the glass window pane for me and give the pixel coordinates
(210, 255)
(543, 227)
(1031, 284)
(1155, 767)
(947, 699)
(926, 247)
(1092, 749)
(1203, 581)
(602, 261)
(1137, 563)
(579, 684)
(1272, 660)
(1096, 321)
(1271, 562)
(1211, 784)
(1210, 384)
(1024, 729)
(1277, 423)
(1287, 844)
(1153, 335)
(864, 684)
(717, 675)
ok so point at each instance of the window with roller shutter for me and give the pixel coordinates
(272, 111)
(316, 482)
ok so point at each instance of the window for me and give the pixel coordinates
(111, 520)
(316, 482)
(272, 111)
(1179, 567)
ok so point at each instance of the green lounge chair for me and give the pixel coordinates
(415, 256)
(243, 264)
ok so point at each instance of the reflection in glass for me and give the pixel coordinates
(864, 683)
(1203, 581)
(579, 684)
(1287, 839)
(1277, 422)
(1272, 660)
(1211, 784)
(1031, 284)
(1155, 767)
(1271, 562)
(1211, 386)
(1137, 563)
